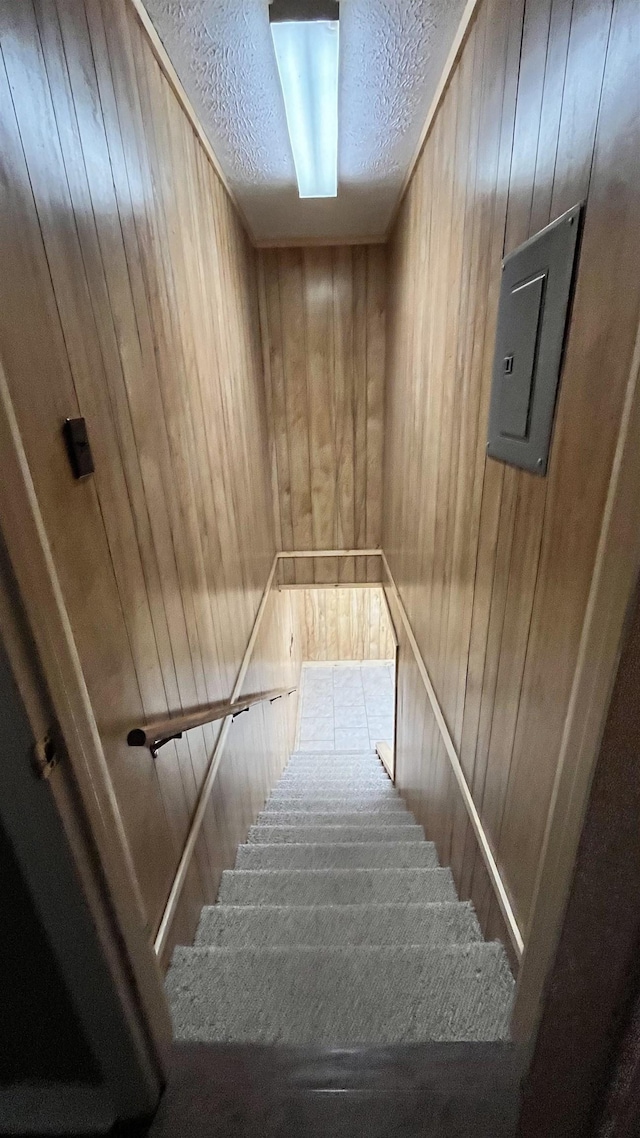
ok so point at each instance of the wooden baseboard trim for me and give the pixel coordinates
(456, 766)
(210, 778)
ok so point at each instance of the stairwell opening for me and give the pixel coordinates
(339, 926)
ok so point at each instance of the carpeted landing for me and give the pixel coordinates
(337, 927)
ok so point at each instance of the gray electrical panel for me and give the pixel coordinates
(532, 317)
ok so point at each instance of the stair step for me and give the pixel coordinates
(335, 818)
(334, 756)
(340, 996)
(338, 774)
(267, 926)
(351, 805)
(373, 783)
(317, 763)
(335, 886)
(384, 793)
(346, 855)
(261, 835)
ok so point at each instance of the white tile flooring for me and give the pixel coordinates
(346, 707)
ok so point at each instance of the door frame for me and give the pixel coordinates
(39, 642)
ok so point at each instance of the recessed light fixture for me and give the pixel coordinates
(306, 39)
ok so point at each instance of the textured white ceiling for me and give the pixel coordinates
(391, 57)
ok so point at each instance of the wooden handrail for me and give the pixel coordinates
(154, 735)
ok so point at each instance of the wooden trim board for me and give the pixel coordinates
(318, 242)
(328, 553)
(447, 73)
(470, 806)
(286, 588)
(173, 80)
(386, 755)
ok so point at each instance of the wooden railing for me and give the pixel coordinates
(155, 734)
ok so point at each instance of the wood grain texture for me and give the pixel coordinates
(258, 745)
(494, 565)
(129, 296)
(323, 333)
(344, 624)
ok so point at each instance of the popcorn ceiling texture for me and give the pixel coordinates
(392, 54)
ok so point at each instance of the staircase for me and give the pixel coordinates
(338, 927)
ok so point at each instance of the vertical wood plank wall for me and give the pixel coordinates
(494, 564)
(128, 295)
(323, 313)
(257, 747)
(343, 624)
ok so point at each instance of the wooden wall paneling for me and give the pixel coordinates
(581, 465)
(323, 329)
(489, 498)
(494, 565)
(321, 394)
(137, 279)
(467, 413)
(154, 239)
(526, 525)
(343, 354)
(273, 363)
(28, 287)
(120, 243)
(344, 623)
(359, 371)
(258, 745)
(118, 86)
(531, 492)
(289, 268)
(37, 636)
(375, 357)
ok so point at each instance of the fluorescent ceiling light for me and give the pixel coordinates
(307, 57)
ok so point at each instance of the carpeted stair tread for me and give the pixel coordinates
(366, 768)
(241, 926)
(355, 792)
(338, 927)
(335, 818)
(344, 855)
(332, 761)
(370, 770)
(337, 757)
(318, 785)
(334, 805)
(322, 834)
(340, 996)
(335, 886)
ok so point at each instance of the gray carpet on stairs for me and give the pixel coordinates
(339, 855)
(322, 834)
(340, 995)
(338, 927)
(342, 805)
(334, 886)
(334, 818)
(241, 926)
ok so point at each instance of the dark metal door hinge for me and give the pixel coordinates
(45, 756)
